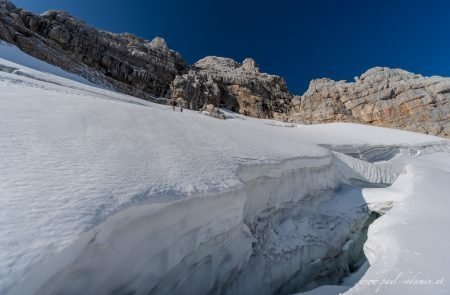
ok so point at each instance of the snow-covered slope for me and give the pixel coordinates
(15, 55)
(406, 247)
(148, 189)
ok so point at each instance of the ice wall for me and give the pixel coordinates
(290, 226)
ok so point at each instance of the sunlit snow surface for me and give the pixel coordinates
(13, 54)
(71, 155)
(407, 247)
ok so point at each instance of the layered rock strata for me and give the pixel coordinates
(150, 70)
(125, 62)
(381, 96)
(238, 87)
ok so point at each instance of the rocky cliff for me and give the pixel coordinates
(381, 96)
(150, 70)
(238, 87)
(127, 63)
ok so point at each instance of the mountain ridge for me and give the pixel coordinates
(151, 70)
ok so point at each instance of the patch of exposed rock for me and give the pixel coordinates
(150, 70)
(238, 87)
(127, 63)
(381, 96)
(212, 111)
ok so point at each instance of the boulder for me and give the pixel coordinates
(213, 111)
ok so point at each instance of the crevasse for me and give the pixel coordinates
(289, 227)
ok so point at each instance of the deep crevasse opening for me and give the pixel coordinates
(288, 228)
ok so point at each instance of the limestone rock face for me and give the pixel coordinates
(127, 63)
(150, 70)
(381, 96)
(238, 87)
(249, 65)
(195, 91)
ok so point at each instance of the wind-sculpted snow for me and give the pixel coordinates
(382, 173)
(202, 242)
(281, 229)
(382, 153)
(406, 246)
(247, 241)
(103, 193)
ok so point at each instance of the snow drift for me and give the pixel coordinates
(104, 193)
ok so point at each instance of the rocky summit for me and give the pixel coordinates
(151, 70)
(381, 96)
(237, 87)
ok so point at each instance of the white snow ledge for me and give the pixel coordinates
(72, 154)
(231, 242)
(193, 244)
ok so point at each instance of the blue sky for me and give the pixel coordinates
(299, 40)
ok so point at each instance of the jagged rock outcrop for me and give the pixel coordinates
(238, 87)
(381, 96)
(129, 64)
(195, 91)
(150, 70)
(213, 111)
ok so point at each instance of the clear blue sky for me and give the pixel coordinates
(299, 40)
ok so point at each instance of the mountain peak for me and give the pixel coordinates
(7, 5)
(159, 44)
(249, 65)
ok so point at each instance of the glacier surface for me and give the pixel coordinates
(105, 193)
